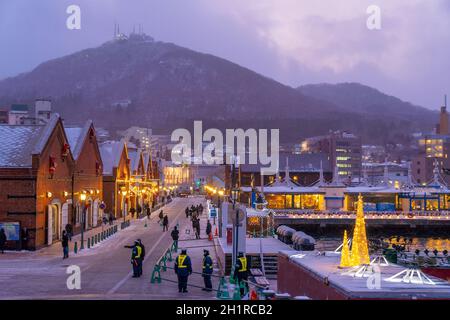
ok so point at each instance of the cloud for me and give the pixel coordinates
(333, 34)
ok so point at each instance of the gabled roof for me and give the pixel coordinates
(135, 157)
(77, 136)
(111, 152)
(20, 142)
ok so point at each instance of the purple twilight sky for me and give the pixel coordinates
(293, 41)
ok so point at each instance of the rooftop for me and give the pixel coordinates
(326, 266)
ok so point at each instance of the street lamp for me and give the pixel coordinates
(83, 218)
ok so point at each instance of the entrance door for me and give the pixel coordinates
(50, 224)
(65, 216)
(55, 222)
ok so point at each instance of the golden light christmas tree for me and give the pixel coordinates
(345, 253)
(360, 247)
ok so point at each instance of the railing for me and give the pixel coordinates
(222, 290)
(431, 215)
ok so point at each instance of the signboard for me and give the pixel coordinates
(213, 212)
(12, 230)
(241, 216)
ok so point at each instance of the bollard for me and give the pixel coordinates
(75, 247)
(89, 243)
(92, 241)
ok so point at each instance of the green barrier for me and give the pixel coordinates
(156, 274)
(222, 290)
(168, 255)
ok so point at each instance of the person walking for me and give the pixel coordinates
(133, 212)
(208, 229)
(65, 244)
(165, 223)
(136, 252)
(186, 211)
(2, 240)
(69, 231)
(183, 268)
(207, 270)
(196, 224)
(241, 271)
(161, 216)
(110, 219)
(148, 212)
(175, 234)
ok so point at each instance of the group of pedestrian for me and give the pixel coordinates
(194, 210)
(183, 269)
(137, 257)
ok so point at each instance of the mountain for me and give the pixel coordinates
(358, 98)
(139, 81)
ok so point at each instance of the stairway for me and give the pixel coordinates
(270, 265)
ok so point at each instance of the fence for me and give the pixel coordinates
(97, 238)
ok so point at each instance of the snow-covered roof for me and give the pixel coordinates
(48, 129)
(17, 144)
(135, 156)
(286, 189)
(76, 137)
(147, 158)
(111, 152)
(251, 212)
(20, 142)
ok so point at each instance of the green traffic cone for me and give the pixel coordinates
(237, 292)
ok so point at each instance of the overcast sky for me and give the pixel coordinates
(293, 41)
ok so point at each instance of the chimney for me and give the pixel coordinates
(443, 120)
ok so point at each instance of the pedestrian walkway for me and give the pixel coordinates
(194, 249)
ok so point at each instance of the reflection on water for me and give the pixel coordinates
(411, 244)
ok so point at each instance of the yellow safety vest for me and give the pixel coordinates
(181, 259)
(139, 251)
(243, 264)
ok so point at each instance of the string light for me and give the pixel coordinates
(345, 253)
(360, 248)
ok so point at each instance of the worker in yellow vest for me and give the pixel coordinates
(183, 268)
(241, 270)
(136, 258)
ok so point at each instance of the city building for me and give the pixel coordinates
(344, 150)
(116, 178)
(17, 114)
(433, 148)
(36, 180)
(87, 178)
(141, 137)
(4, 115)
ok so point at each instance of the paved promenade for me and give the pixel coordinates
(105, 268)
